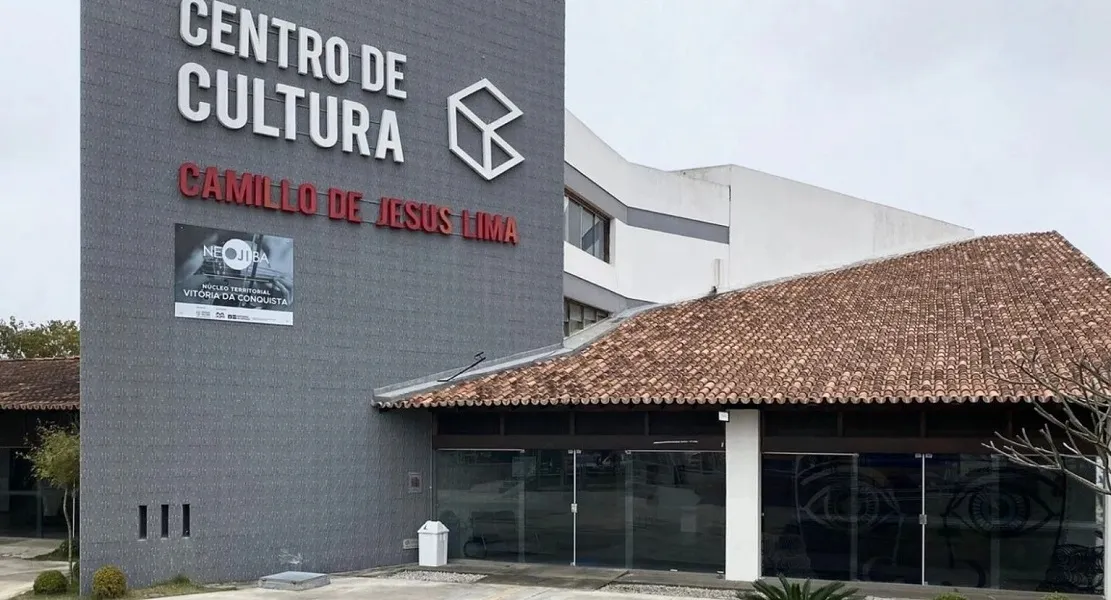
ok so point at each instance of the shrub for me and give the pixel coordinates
(109, 582)
(1055, 596)
(49, 583)
(763, 590)
(950, 596)
(63, 549)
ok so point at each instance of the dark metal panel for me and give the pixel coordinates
(579, 442)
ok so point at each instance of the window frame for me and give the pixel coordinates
(569, 304)
(596, 215)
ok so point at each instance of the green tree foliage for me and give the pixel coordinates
(56, 459)
(51, 339)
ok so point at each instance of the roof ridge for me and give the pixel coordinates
(878, 260)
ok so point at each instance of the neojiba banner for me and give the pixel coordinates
(226, 275)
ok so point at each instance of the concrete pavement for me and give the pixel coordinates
(27, 547)
(343, 588)
(17, 575)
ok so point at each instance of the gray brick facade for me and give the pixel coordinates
(267, 432)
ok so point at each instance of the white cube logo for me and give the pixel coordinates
(490, 137)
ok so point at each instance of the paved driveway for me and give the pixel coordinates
(17, 575)
(344, 588)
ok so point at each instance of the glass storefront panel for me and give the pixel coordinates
(969, 520)
(1052, 539)
(652, 510)
(19, 514)
(478, 498)
(26, 507)
(993, 523)
(678, 511)
(807, 509)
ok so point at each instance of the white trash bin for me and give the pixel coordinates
(432, 537)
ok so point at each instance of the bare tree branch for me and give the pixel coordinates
(1075, 438)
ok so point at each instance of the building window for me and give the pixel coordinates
(578, 316)
(585, 228)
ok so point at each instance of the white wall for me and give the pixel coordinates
(650, 265)
(643, 187)
(646, 264)
(781, 228)
(743, 547)
(661, 267)
(777, 227)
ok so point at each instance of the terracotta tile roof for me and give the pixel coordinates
(40, 384)
(939, 325)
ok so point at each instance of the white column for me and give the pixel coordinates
(742, 496)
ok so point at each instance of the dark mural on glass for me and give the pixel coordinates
(828, 517)
(985, 522)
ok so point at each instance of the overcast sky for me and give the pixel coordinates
(994, 114)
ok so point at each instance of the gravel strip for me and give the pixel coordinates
(670, 590)
(437, 576)
(690, 592)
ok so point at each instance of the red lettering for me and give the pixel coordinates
(266, 202)
(396, 213)
(428, 218)
(445, 220)
(286, 200)
(212, 187)
(412, 215)
(494, 227)
(353, 207)
(262, 187)
(239, 190)
(186, 172)
(382, 221)
(336, 203)
(511, 230)
(467, 233)
(306, 198)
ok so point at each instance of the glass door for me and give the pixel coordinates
(601, 508)
(548, 493)
(889, 545)
(962, 508)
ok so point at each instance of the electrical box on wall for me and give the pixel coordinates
(415, 483)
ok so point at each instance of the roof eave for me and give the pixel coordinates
(394, 396)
